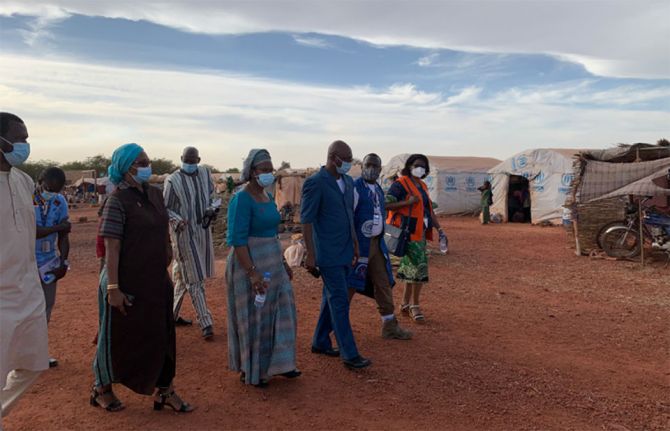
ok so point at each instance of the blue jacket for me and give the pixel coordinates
(331, 213)
(363, 219)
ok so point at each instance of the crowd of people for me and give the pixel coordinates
(154, 247)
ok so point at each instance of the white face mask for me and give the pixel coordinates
(419, 172)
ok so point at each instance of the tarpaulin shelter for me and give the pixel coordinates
(452, 182)
(548, 173)
(604, 179)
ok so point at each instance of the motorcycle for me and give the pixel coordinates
(625, 240)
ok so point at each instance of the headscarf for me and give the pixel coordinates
(255, 158)
(122, 160)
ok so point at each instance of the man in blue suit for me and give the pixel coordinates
(328, 228)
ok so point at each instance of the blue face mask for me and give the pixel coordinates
(19, 154)
(344, 168)
(189, 168)
(143, 174)
(47, 196)
(266, 180)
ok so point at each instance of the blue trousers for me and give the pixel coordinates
(334, 315)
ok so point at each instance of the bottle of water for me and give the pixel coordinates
(444, 243)
(259, 301)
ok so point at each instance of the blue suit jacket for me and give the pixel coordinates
(331, 213)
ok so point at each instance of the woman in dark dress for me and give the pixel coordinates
(136, 342)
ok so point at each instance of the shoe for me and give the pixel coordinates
(328, 352)
(357, 363)
(292, 374)
(53, 362)
(208, 333)
(182, 322)
(391, 330)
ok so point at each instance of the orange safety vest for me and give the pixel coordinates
(413, 211)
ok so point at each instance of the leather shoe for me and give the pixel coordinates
(207, 333)
(357, 363)
(53, 362)
(328, 352)
(182, 322)
(292, 374)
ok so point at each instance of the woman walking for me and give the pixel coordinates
(261, 336)
(408, 198)
(136, 341)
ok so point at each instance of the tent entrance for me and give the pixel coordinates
(518, 200)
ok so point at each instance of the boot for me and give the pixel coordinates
(392, 330)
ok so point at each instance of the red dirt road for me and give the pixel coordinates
(520, 334)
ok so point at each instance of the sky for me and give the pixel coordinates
(450, 78)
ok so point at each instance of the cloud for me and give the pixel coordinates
(75, 110)
(312, 42)
(618, 38)
(428, 60)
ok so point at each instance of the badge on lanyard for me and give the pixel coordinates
(46, 246)
(377, 219)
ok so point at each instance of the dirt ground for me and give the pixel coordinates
(520, 334)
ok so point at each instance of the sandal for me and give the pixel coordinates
(416, 314)
(165, 397)
(292, 374)
(114, 406)
(404, 308)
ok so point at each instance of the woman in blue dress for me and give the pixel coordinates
(261, 338)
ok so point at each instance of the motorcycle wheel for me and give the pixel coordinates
(605, 228)
(622, 242)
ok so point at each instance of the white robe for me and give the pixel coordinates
(23, 324)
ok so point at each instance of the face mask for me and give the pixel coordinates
(371, 174)
(266, 180)
(47, 196)
(419, 172)
(189, 168)
(344, 168)
(19, 154)
(143, 174)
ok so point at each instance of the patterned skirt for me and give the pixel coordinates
(261, 341)
(102, 363)
(414, 264)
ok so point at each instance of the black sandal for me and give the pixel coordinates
(292, 374)
(165, 396)
(114, 406)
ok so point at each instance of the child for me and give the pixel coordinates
(53, 227)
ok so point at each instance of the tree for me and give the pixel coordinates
(285, 165)
(233, 171)
(211, 168)
(35, 168)
(162, 166)
(98, 163)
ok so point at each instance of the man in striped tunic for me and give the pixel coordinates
(188, 192)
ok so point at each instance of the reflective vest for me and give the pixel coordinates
(415, 212)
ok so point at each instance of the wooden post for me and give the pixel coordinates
(639, 210)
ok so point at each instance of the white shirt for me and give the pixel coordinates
(340, 182)
(23, 323)
(378, 220)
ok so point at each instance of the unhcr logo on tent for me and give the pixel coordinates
(538, 182)
(451, 183)
(519, 162)
(470, 184)
(566, 180)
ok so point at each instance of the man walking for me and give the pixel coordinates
(24, 351)
(374, 264)
(328, 229)
(187, 194)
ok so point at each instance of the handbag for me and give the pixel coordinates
(397, 238)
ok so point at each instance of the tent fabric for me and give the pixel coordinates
(288, 189)
(642, 187)
(549, 173)
(602, 179)
(452, 182)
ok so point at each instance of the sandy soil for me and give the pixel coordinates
(521, 334)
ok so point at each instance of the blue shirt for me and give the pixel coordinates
(330, 211)
(48, 214)
(246, 218)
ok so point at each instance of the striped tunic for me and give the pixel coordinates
(186, 198)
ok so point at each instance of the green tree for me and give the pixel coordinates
(162, 166)
(233, 171)
(35, 168)
(211, 168)
(98, 163)
(74, 166)
(285, 165)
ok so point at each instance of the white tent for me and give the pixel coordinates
(452, 182)
(549, 174)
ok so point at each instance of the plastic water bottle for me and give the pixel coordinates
(259, 301)
(444, 243)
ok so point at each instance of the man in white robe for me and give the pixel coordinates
(24, 352)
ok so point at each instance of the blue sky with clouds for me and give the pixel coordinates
(116, 77)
